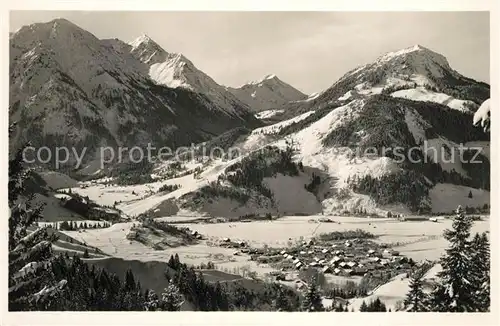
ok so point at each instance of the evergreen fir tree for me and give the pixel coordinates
(177, 260)
(416, 299)
(32, 284)
(281, 302)
(363, 307)
(457, 287)
(312, 300)
(129, 280)
(171, 298)
(339, 308)
(377, 306)
(152, 302)
(481, 270)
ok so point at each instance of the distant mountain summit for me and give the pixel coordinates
(412, 67)
(416, 73)
(268, 93)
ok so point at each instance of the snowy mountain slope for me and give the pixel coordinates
(446, 197)
(415, 67)
(422, 94)
(341, 168)
(405, 101)
(335, 144)
(267, 114)
(175, 70)
(69, 88)
(268, 93)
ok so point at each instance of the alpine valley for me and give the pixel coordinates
(379, 147)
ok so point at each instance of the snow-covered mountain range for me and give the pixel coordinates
(69, 87)
(409, 99)
(175, 70)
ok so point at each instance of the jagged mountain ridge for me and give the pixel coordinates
(268, 93)
(69, 88)
(175, 70)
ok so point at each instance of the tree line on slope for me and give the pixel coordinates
(406, 187)
(246, 177)
(230, 295)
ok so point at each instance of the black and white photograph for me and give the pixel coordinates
(249, 161)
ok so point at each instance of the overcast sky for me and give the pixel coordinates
(309, 50)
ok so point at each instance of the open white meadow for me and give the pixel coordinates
(420, 240)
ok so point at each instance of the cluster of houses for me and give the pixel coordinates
(228, 243)
(348, 258)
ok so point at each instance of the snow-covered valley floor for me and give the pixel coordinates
(420, 240)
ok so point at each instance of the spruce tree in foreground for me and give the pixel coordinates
(376, 306)
(481, 262)
(416, 299)
(312, 300)
(458, 287)
(281, 303)
(32, 284)
(171, 298)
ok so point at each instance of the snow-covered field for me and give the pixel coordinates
(392, 292)
(419, 240)
(267, 114)
(277, 126)
(445, 197)
(113, 241)
(423, 94)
